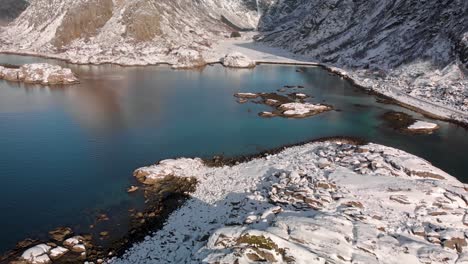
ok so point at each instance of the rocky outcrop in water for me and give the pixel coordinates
(39, 73)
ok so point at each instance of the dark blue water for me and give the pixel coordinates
(68, 153)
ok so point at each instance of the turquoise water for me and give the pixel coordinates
(68, 153)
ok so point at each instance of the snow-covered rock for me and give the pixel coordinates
(298, 110)
(237, 60)
(37, 254)
(178, 167)
(423, 126)
(57, 252)
(41, 73)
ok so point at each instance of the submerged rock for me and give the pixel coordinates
(133, 189)
(59, 234)
(39, 73)
(238, 60)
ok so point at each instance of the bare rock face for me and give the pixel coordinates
(39, 73)
(238, 60)
(84, 22)
(10, 9)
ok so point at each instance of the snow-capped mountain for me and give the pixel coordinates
(384, 33)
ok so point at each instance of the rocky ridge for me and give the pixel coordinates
(323, 202)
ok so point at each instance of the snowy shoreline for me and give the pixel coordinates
(215, 56)
(323, 201)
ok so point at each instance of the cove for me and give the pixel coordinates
(68, 153)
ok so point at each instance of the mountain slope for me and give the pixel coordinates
(125, 31)
(10, 9)
(416, 47)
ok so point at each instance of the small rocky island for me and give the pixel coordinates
(237, 60)
(292, 105)
(38, 73)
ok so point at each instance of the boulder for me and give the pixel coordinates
(235, 34)
(423, 127)
(37, 255)
(57, 252)
(237, 60)
(59, 234)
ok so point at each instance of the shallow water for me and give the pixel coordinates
(67, 153)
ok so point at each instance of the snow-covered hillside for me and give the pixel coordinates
(124, 31)
(419, 48)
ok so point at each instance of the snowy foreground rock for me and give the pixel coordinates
(48, 253)
(237, 60)
(40, 73)
(329, 202)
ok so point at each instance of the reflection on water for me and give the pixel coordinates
(70, 151)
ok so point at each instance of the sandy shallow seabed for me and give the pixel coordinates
(325, 202)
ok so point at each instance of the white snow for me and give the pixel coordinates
(364, 206)
(422, 125)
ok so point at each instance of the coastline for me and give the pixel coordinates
(235, 202)
(262, 54)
